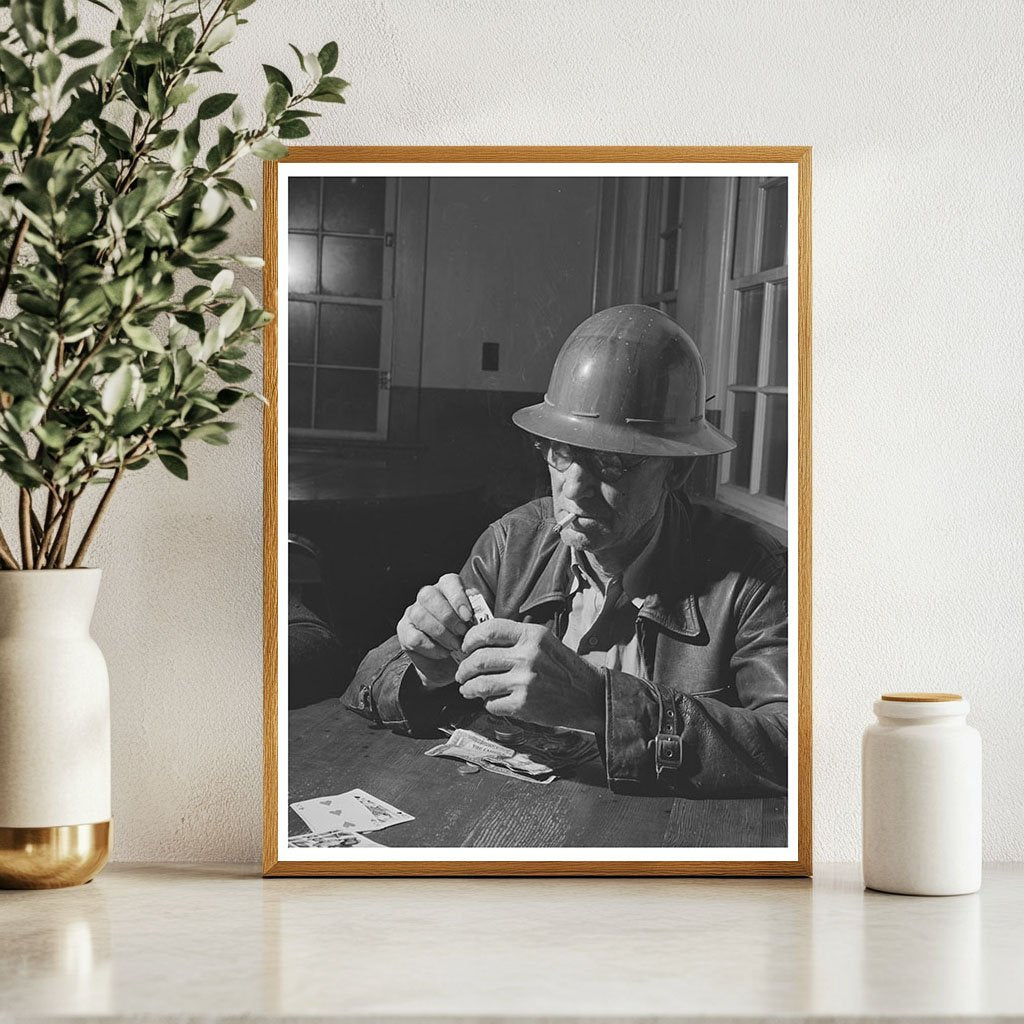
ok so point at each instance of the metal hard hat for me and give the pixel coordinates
(629, 379)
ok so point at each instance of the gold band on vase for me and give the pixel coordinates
(52, 857)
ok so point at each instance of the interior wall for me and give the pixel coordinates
(509, 262)
(913, 110)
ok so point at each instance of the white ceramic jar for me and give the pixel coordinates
(921, 778)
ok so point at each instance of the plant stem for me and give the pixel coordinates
(6, 555)
(90, 531)
(25, 521)
(51, 523)
(60, 544)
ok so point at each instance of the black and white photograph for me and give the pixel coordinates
(537, 522)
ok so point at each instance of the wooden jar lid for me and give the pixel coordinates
(921, 698)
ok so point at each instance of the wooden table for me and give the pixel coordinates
(332, 750)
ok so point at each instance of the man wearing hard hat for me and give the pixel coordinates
(620, 609)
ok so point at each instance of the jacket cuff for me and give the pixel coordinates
(632, 714)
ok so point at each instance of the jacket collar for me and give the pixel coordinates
(673, 603)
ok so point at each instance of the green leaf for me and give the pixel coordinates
(269, 149)
(53, 435)
(196, 296)
(328, 57)
(21, 471)
(149, 53)
(276, 100)
(274, 75)
(221, 35)
(143, 338)
(49, 68)
(77, 79)
(228, 397)
(133, 13)
(232, 319)
(25, 414)
(116, 390)
(11, 356)
(232, 373)
(222, 282)
(184, 44)
(325, 96)
(128, 421)
(175, 464)
(181, 94)
(334, 84)
(156, 99)
(14, 68)
(83, 48)
(211, 433)
(109, 65)
(293, 130)
(216, 104)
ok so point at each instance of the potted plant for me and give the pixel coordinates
(122, 339)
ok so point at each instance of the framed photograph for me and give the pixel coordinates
(538, 511)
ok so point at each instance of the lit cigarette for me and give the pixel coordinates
(561, 524)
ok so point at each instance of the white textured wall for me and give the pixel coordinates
(914, 113)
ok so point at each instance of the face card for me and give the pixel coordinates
(330, 840)
(354, 811)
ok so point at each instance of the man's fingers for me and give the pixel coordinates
(451, 586)
(426, 623)
(486, 687)
(486, 661)
(434, 601)
(493, 633)
(417, 642)
(504, 707)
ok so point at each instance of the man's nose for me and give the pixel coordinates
(577, 481)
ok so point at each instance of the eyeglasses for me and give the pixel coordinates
(609, 467)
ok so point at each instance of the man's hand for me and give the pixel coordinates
(524, 671)
(433, 626)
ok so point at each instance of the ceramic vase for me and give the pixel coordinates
(54, 731)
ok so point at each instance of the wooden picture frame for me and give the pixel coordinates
(614, 169)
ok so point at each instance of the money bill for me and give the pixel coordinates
(492, 750)
(473, 748)
(494, 767)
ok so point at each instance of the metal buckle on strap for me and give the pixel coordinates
(668, 752)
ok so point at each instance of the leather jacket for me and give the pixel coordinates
(710, 719)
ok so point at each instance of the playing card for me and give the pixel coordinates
(330, 840)
(354, 811)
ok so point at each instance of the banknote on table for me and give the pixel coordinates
(354, 811)
(330, 840)
(491, 756)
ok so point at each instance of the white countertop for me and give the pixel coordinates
(180, 941)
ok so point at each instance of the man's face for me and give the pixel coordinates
(614, 518)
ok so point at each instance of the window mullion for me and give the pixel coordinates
(756, 460)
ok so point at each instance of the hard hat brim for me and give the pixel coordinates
(585, 432)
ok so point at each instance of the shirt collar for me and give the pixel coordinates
(586, 576)
(672, 604)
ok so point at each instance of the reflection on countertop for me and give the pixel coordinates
(217, 941)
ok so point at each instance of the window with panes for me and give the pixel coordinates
(663, 245)
(756, 332)
(340, 273)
